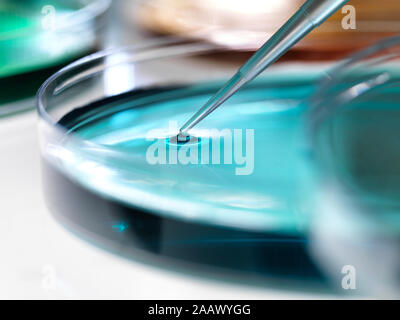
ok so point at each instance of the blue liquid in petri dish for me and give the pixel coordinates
(255, 222)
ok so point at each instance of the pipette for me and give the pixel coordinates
(307, 18)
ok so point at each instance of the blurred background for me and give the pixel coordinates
(42, 260)
(31, 53)
(245, 25)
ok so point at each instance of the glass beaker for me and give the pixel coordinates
(354, 129)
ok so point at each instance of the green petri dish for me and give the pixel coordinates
(39, 37)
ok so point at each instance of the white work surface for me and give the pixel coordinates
(42, 260)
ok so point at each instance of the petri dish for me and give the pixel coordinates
(39, 37)
(102, 116)
(354, 124)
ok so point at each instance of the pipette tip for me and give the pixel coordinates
(183, 138)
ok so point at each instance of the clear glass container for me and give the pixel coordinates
(37, 38)
(354, 125)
